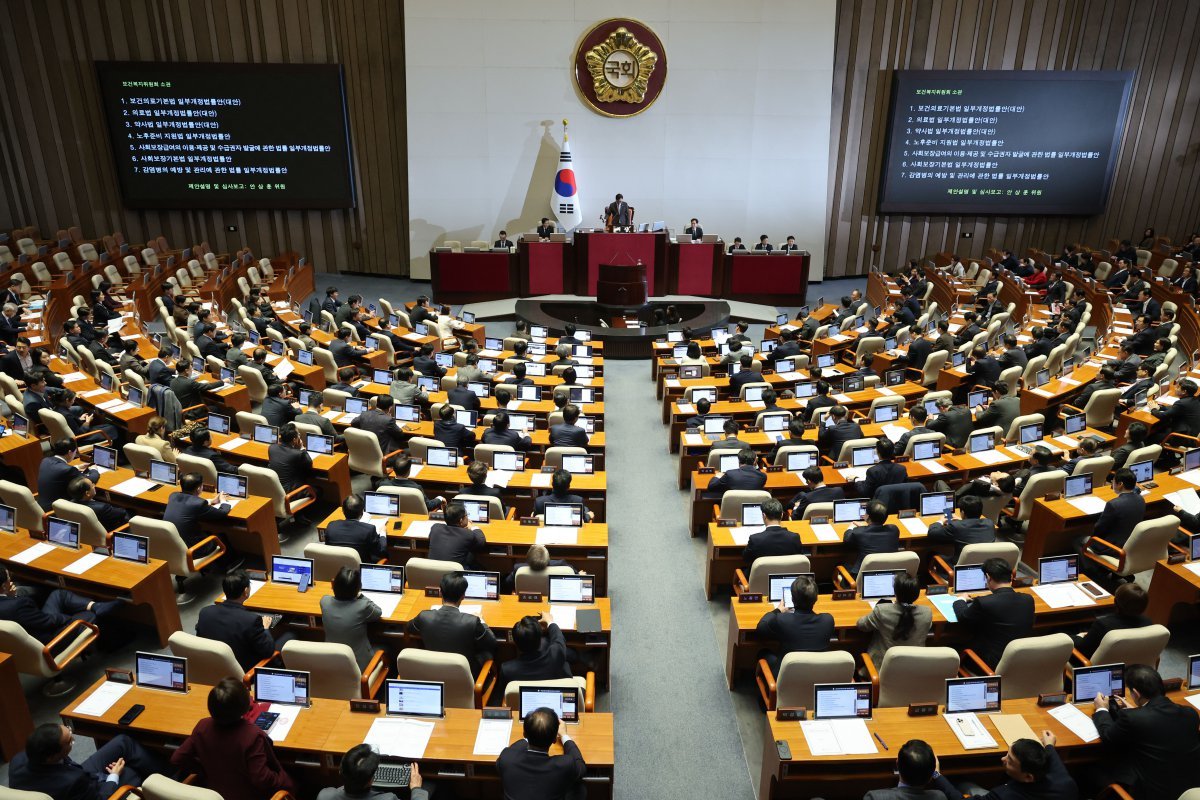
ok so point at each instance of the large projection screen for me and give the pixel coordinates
(1002, 142)
(228, 135)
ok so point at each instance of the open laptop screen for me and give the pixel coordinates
(415, 698)
(849, 510)
(1078, 485)
(1105, 679)
(563, 515)
(1058, 569)
(879, 583)
(969, 578)
(980, 695)
(482, 585)
(842, 700)
(563, 702)
(160, 672)
(382, 578)
(572, 589)
(286, 686)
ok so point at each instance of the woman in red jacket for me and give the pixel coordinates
(233, 756)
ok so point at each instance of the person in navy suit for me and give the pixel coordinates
(542, 653)
(451, 433)
(1034, 769)
(460, 395)
(1119, 517)
(746, 476)
(477, 471)
(186, 509)
(560, 492)
(875, 537)
(799, 629)
(993, 620)
(774, 539)
(10, 324)
(56, 473)
(246, 632)
(836, 432)
(352, 532)
(814, 491)
(46, 765)
(501, 434)
(884, 473)
(568, 434)
(59, 610)
(529, 772)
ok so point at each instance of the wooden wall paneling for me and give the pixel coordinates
(1156, 179)
(56, 168)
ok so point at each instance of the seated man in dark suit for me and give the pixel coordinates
(34, 399)
(46, 765)
(378, 420)
(560, 492)
(477, 471)
(794, 438)
(18, 361)
(917, 767)
(460, 395)
(201, 447)
(885, 472)
(798, 630)
(774, 540)
(81, 490)
(426, 364)
(455, 540)
(278, 406)
(186, 509)
(954, 421)
(60, 609)
(448, 630)
(452, 433)
(982, 368)
(1184, 415)
(746, 476)
(875, 537)
(917, 416)
(568, 434)
(836, 431)
(529, 772)
(969, 528)
(1129, 603)
(744, 375)
(998, 618)
(246, 632)
(1154, 743)
(1119, 517)
(818, 401)
(541, 653)
(1035, 772)
(352, 532)
(55, 473)
(401, 466)
(500, 433)
(815, 491)
(345, 353)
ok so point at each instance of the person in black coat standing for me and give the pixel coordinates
(529, 772)
(1153, 742)
(774, 539)
(997, 618)
(246, 632)
(797, 630)
(352, 532)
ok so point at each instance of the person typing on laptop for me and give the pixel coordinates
(814, 491)
(401, 466)
(560, 492)
(529, 772)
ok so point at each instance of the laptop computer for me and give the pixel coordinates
(131, 547)
(406, 698)
(849, 510)
(559, 515)
(62, 532)
(385, 578)
(289, 569)
(482, 585)
(1078, 485)
(153, 671)
(799, 461)
(1105, 679)
(285, 686)
(1058, 569)
(926, 450)
(975, 695)
(877, 584)
(969, 578)
(842, 700)
(572, 589)
(233, 485)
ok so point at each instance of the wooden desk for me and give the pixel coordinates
(1173, 586)
(23, 453)
(500, 615)
(332, 472)
(250, 527)
(508, 541)
(743, 644)
(806, 775)
(148, 587)
(18, 722)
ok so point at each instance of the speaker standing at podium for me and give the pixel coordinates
(695, 231)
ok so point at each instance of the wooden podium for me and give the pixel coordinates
(622, 285)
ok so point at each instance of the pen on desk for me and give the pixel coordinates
(881, 741)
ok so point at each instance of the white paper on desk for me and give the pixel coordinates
(402, 738)
(1067, 441)
(992, 457)
(832, 737)
(693, 439)
(842, 398)
(915, 526)
(416, 337)
(255, 586)
(1192, 476)
(474, 609)
(283, 369)
(498, 478)
(1187, 499)
(1023, 339)
(954, 327)
(853, 473)
(826, 533)
(1194, 699)
(415, 470)
(885, 391)
(557, 534)
(492, 737)
(687, 408)
(333, 414)
(418, 529)
(541, 480)
(791, 376)
(84, 563)
(1063, 595)
(233, 444)
(741, 536)
(1193, 567)
(673, 383)
(114, 325)
(933, 465)
(1069, 381)
(1167, 400)
(1042, 392)
(30, 553)
(387, 601)
(756, 404)
(70, 377)
(893, 432)
(585, 360)
(108, 405)
(287, 718)
(513, 405)
(563, 617)
(1088, 504)
(1076, 722)
(93, 393)
(969, 729)
(105, 697)
(839, 337)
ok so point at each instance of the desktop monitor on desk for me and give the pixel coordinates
(785, 365)
(287, 569)
(478, 511)
(415, 698)
(563, 515)
(1078, 485)
(753, 394)
(842, 700)
(62, 532)
(973, 695)
(893, 377)
(728, 462)
(8, 519)
(715, 426)
(977, 399)
(104, 457)
(1074, 423)
(405, 412)
(776, 423)
(752, 514)
(849, 510)
(1105, 679)
(579, 464)
(1193, 673)
(318, 443)
(1031, 433)
(798, 461)
(923, 451)
(1191, 458)
(154, 671)
(779, 586)
(441, 456)
(572, 589)
(564, 702)
(482, 585)
(880, 583)
(219, 423)
(969, 578)
(286, 686)
(806, 389)
(854, 383)
(131, 547)
(863, 456)
(164, 472)
(535, 369)
(1058, 569)
(505, 461)
(466, 418)
(937, 504)
(981, 442)
(888, 413)
(305, 357)
(1143, 471)
(382, 377)
(381, 504)
(704, 393)
(233, 485)
(826, 361)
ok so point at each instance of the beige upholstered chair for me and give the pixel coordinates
(798, 673)
(418, 446)
(412, 501)
(586, 686)
(1146, 545)
(365, 454)
(764, 567)
(329, 559)
(209, 660)
(256, 385)
(1098, 467)
(1037, 486)
(906, 560)
(160, 787)
(781, 457)
(167, 545)
(48, 661)
(732, 500)
(424, 573)
(923, 437)
(1101, 408)
(91, 532)
(527, 580)
(335, 673)
(246, 420)
(264, 482)
(461, 688)
(1014, 428)
(204, 466)
(1130, 646)
(911, 674)
(29, 513)
(17, 794)
(495, 509)
(848, 447)
(1029, 666)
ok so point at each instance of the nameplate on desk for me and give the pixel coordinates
(775, 468)
(118, 675)
(1174, 470)
(707, 470)
(845, 594)
(791, 714)
(497, 713)
(529, 597)
(753, 429)
(810, 426)
(433, 591)
(365, 706)
(416, 461)
(815, 520)
(1173, 684)
(437, 515)
(1176, 558)
(549, 469)
(907, 513)
(902, 459)
(530, 521)
(841, 465)
(935, 590)
(725, 522)
(922, 709)
(750, 597)
(256, 574)
(1052, 699)
(1053, 496)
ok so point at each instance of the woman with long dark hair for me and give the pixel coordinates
(902, 622)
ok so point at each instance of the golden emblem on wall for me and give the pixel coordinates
(620, 67)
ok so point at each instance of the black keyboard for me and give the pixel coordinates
(393, 775)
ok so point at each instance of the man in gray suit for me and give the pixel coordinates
(471, 369)
(917, 766)
(404, 389)
(448, 630)
(235, 356)
(1001, 412)
(358, 774)
(346, 615)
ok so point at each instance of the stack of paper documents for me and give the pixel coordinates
(1063, 595)
(401, 738)
(1187, 499)
(1076, 722)
(134, 487)
(826, 533)
(915, 526)
(1088, 503)
(838, 737)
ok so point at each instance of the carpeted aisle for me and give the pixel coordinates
(676, 734)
